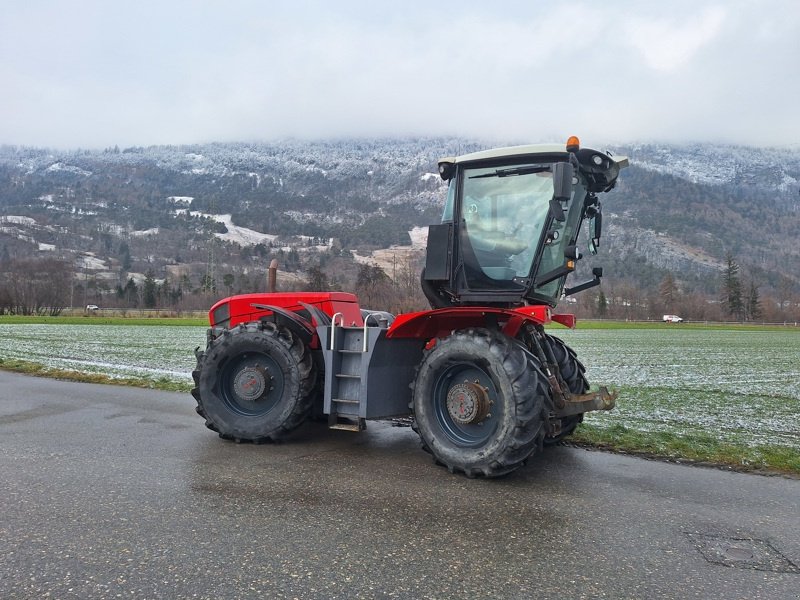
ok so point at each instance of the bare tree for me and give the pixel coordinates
(667, 291)
(373, 287)
(34, 286)
(317, 280)
(409, 297)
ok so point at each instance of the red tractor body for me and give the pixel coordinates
(485, 384)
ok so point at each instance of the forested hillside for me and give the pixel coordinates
(177, 226)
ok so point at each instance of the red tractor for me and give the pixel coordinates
(485, 384)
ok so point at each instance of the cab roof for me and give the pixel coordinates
(530, 149)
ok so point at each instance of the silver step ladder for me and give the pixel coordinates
(345, 370)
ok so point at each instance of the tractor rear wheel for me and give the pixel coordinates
(479, 403)
(573, 374)
(254, 382)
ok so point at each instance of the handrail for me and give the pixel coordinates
(333, 331)
(333, 328)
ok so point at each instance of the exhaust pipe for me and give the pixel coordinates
(272, 276)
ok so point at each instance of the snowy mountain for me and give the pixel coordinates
(683, 208)
(190, 211)
(775, 169)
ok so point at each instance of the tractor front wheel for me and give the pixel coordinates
(254, 382)
(573, 374)
(479, 403)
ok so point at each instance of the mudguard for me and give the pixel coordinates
(441, 322)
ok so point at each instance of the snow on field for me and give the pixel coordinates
(736, 385)
(15, 220)
(18, 227)
(139, 278)
(250, 237)
(740, 386)
(419, 237)
(181, 199)
(59, 166)
(148, 352)
(46, 247)
(90, 262)
(145, 232)
(395, 258)
(240, 235)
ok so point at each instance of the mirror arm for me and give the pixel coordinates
(597, 272)
(581, 287)
(552, 275)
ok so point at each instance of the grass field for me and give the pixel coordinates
(722, 395)
(161, 355)
(93, 319)
(725, 395)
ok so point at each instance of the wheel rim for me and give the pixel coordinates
(252, 384)
(465, 405)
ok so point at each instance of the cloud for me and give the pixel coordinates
(667, 44)
(96, 74)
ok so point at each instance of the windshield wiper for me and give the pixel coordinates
(526, 170)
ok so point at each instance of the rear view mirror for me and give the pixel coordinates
(562, 189)
(562, 181)
(595, 227)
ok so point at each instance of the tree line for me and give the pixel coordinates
(738, 297)
(46, 286)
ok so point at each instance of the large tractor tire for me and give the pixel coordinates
(479, 403)
(254, 383)
(573, 374)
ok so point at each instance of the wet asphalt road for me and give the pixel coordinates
(114, 492)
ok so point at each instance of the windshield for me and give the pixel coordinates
(503, 213)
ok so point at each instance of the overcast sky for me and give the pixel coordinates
(95, 73)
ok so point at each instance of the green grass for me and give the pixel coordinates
(98, 320)
(589, 324)
(31, 368)
(658, 325)
(694, 447)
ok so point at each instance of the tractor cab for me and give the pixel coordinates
(511, 221)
